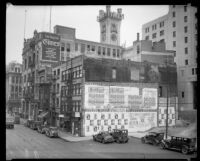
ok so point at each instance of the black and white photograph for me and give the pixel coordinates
(101, 81)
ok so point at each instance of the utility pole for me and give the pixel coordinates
(167, 98)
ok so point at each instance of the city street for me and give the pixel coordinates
(22, 142)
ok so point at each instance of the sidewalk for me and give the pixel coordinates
(71, 138)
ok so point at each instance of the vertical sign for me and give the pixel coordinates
(50, 46)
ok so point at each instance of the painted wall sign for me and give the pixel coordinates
(50, 47)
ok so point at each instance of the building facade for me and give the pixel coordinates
(13, 87)
(103, 94)
(178, 29)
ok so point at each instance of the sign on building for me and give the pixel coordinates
(50, 46)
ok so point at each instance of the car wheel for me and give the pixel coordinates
(143, 140)
(184, 150)
(103, 141)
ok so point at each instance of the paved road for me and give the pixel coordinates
(23, 142)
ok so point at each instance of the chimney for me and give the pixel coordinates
(138, 36)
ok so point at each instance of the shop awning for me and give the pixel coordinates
(43, 114)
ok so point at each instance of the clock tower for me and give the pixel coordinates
(110, 23)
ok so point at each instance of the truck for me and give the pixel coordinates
(9, 122)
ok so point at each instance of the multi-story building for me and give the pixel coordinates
(13, 86)
(103, 94)
(178, 29)
(143, 50)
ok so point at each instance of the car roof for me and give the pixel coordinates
(185, 137)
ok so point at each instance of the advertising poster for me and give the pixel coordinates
(150, 98)
(142, 121)
(50, 46)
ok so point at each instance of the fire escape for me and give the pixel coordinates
(69, 86)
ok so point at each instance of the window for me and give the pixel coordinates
(93, 48)
(161, 32)
(185, 29)
(146, 29)
(160, 91)
(161, 24)
(12, 88)
(186, 50)
(16, 70)
(174, 33)
(193, 71)
(99, 50)
(108, 51)
(104, 51)
(76, 46)
(185, 8)
(16, 80)
(147, 38)
(174, 43)
(58, 72)
(185, 18)
(114, 52)
(173, 14)
(82, 48)
(138, 49)
(113, 73)
(186, 39)
(182, 94)
(154, 27)
(186, 62)
(174, 24)
(88, 47)
(153, 35)
(62, 47)
(118, 53)
(68, 47)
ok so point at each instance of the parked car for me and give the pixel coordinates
(17, 119)
(153, 138)
(9, 122)
(28, 123)
(183, 144)
(34, 124)
(41, 128)
(103, 137)
(51, 131)
(120, 135)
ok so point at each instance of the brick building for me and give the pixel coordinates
(98, 91)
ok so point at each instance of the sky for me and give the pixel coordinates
(82, 18)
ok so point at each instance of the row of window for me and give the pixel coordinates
(154, 35)
(154, 27)
(76, 90)
(16, 79)
(185, 8)
(16, 88)
(76, 106)
(76, 73)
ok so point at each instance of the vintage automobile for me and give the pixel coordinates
(120, 135)
(9, 122)
(35, 124)
(103, 137)
(17, 119)
(51, 131)
(41, 128)
(153, 138)
(28, 123)
(184, 144)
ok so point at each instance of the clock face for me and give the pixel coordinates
(113, 37)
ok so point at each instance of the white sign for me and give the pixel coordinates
(150, 98)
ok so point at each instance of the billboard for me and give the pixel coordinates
(50, 46)
(100, 97)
